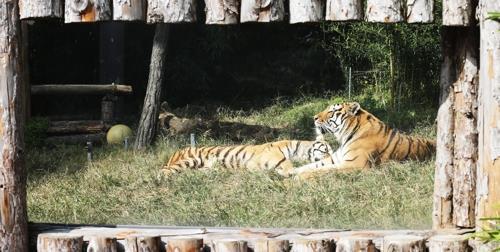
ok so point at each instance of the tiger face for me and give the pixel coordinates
(333, 118)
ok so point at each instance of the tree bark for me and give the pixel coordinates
(222, 11)
(458, 12)
(419, 11)
(262, 10)
(348, 244)
(80, 89)
(87, 10)
(229, 246)
(344, 10)
(455, 243)
(171, 11)
(97, 243)
(306, 245)
(129, 10)
(489, 113)
(40, 9)
(271, 245)
(384, 11)
(149, 116)
(305, 11)
(403, 243)
(13, 217)
(59, 242)
(184, 245)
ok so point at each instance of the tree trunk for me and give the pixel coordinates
(384, 11)
(171, 11)
(455, 243)
(80, 89)
(271, 245)
(184, 245)
(149, 116)
(305, 11)
(489, 113)
(222, 11)
(419, 11)
(129, 10)
(458, 12)
(59, 242)
(306, 245)
(97, 243)
(13, 217)
(342, 10)
(403, 243)
(87, 10)
(262, 10)
(40, 8)
(348, 244)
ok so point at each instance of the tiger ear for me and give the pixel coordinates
(354, 108)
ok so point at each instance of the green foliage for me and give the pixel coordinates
(490, 231)
(494, 15)
(36, 131)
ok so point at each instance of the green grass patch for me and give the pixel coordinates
(126, 187)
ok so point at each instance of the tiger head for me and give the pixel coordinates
(333, 118)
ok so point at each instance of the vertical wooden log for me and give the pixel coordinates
(222, 11)
(184, 245)
(49, 242)
(384, 11)
(87, 10)
(131, 244)
(129, 10)
(305, 11)
(458, 12)
(420, 11)
(229, 246)
(13, 217)
(171, 11)
(356, 244)
(271, 245)
(465, 129)
(455, 243)
(489, 112)
(403, 243)
(40, 8)
(148, 243)
(262, 10)
(104, 244)
(149, 116)
(306, 245)
(344, 10)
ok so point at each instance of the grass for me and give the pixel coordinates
(125, 187)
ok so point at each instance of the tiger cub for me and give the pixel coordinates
(274, 155)
(364, 140)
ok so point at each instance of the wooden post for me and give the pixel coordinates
(455, 243)
(129, 10)
(419, 11)
(262, 10)
(40, 9)
(171, 11)
(99, 243)
(184, 245)
(229, 246)
(348, 244)
(306, 245)
(49, 242)
(403, 243)
(87, 10)
(304, 11)
(489, 113)
(344, 10)
(222, 11)
(384, 11)
(271, 245)
(107, 110)
(138, 243)
(80, 89)
(458, 12)
(149, 116)
(13, 217)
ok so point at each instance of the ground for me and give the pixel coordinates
(125, 187)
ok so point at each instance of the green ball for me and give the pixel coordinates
(118, 133)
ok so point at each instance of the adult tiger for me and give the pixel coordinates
(274, 155)
(364, 140)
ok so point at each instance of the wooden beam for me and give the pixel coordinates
(87, 10)
(171, 11)
(222, 12)
(489, 113)
(384, 11)
(41, 9)
(80, 89)
(458, 12)
(13, 217)
(344, 10)
(262, 10)
(129, 10)
(419, 11)
(305, 11)
(72, 127)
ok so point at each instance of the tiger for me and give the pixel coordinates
(278, 156)
(364, 141)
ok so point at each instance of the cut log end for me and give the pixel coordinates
(48, 242)
(457, 243)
